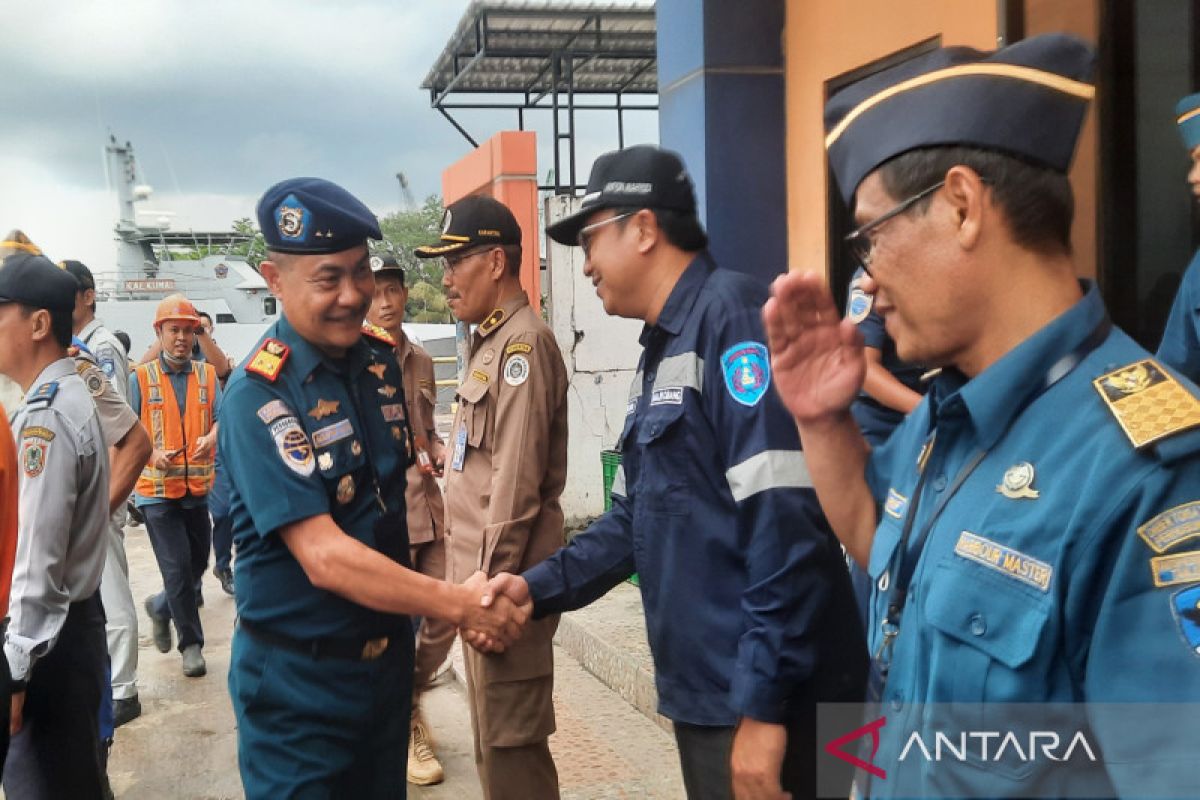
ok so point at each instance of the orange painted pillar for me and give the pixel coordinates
(505, 167)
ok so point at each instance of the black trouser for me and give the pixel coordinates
(56, 754)
(180, 538)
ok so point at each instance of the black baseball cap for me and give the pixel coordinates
(471, 222)
(35, 281)
(642, 176)
(80, 272)
(386, 262)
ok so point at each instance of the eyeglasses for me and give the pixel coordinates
(452, 263)
(859, 241)
(587, 232)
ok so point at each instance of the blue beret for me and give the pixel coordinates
(1027, 100)
(1187, 116)
(312, 215)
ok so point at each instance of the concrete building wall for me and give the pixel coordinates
(601, 354)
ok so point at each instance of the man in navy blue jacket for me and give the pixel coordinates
(748, 603)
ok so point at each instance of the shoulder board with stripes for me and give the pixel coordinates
(378, 334)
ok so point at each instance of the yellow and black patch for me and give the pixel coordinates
(1148, 403)
(37, 432)
(479, 375)
(492, 322)
(378, 334)
(518, 347)
(269, 359)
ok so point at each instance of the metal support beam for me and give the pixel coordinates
(458, 127)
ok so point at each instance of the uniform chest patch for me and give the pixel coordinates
(1186, 606)
(895, 505)
(1148, 403)
(746, 368)
(667, 396)
(1172, 570)
(323, 437)
(858, 307)
(377, 370)
(1017, 483)
(324, 408)
(293, 446)
(1005, 560)
(272, 410)
(392, 412)
(516, 370)
(1172, 527)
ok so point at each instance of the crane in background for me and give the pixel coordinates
(406, 195)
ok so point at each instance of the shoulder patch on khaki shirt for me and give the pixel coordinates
(518, 347)
(1148, 403)
(37, 432)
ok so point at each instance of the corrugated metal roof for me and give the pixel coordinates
(508, 46)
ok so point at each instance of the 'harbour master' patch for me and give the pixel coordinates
(1005, 560)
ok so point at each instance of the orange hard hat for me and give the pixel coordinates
(175, 307)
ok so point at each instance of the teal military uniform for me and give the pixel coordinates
(304, 435)
(1056, 572)
(1180, 346)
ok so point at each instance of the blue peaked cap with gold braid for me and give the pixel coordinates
(1187, 116)
(1027, 100)
(313, 215)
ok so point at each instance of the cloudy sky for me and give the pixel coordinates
(220, 99)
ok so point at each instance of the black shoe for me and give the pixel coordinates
(193, 662)
(161, 627)
(126, 710)
(225, 576)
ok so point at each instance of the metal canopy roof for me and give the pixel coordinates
(509, 47)
(542, 55)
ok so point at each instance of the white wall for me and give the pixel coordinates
(601, 353)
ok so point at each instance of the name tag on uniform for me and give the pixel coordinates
(1004, 560)
(460, 448)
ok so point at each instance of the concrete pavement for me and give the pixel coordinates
(185, 743)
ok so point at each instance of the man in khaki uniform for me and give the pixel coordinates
(422, 496)
(505, 471)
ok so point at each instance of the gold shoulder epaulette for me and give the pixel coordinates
(1148, 403)
(492, 321)
(268, 359)
(378, 334)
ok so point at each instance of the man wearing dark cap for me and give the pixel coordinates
(504, 475)
(1030, 526)
(423, 497)
(119, 611)
(1180, 347)
(54, 643)
(315, 437)
(748, 604)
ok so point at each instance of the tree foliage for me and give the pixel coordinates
(403, 232)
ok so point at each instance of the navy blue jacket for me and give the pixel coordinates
(747, 599)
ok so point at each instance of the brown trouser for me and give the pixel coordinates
(436, 636)
(512, 716)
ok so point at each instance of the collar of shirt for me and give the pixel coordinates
(995, 396)
(679, 304)
(304, 357)
(510, 307)
(170, 368)
(89, 329)
(55, 370)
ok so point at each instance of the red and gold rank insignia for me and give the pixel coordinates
(269, 359)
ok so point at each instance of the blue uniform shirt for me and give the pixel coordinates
(320, 437)
(1037, 583)
(746, 597)
(1180, 346)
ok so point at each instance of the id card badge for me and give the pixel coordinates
(460, 448)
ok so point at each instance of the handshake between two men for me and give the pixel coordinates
(499, 618)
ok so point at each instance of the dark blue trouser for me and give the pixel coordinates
(222, 522)
(327, 728)
(57, 751)
(180, 538)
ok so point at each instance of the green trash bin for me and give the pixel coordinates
(610, 460)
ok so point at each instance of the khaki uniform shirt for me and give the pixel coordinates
(423, 496)
(507, 460)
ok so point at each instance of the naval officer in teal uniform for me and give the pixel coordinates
(317, 441)
(1180, 347)
(1032, 528)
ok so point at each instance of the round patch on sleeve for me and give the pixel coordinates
(516, 370)
(294, 448)
(859, 306)
(747, 370)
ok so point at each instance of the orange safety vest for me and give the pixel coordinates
(160, 415)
